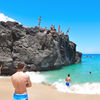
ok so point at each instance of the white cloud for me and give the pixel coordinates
(5, 18)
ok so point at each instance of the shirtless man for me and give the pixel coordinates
(20, 81)
(89, 73)
(68, 80)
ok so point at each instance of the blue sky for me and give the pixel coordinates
(82, 16)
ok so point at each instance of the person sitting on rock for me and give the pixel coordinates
(45, 29)
(53, 28)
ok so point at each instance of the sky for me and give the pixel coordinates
(82, 16)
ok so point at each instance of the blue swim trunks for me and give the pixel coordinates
(20, 97)
(67, 84)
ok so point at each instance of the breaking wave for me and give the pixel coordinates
(86, 88)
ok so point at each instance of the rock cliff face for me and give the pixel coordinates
(39, 49)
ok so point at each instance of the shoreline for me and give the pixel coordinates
(42, 92)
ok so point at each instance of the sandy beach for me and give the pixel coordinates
(41, 92)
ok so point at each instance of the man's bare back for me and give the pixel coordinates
(20, 82)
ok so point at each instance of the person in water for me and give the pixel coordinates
(90, 73)
(20, 82)
(68, 79)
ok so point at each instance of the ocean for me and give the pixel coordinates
(81, 81)
(79, 73)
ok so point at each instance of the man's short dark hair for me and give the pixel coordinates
(90, 72)
(68, 75)
(20, 65)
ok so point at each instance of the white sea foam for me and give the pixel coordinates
(35, 77)
(86, 88)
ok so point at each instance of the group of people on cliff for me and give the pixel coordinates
(52, 28)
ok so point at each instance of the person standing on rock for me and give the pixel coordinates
(67, 31)
(39, 20)
(59, 28)
(68, 79)
(20, 82)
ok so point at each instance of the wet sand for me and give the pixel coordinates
(41, 92)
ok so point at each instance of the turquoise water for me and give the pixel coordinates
(79, 73)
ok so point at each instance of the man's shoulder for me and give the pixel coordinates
(26, 75)
(13, 75)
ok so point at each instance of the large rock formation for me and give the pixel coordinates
(36, 47)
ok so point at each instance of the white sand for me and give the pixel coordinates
(41, 92)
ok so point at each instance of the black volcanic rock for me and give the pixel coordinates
(34, 46)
